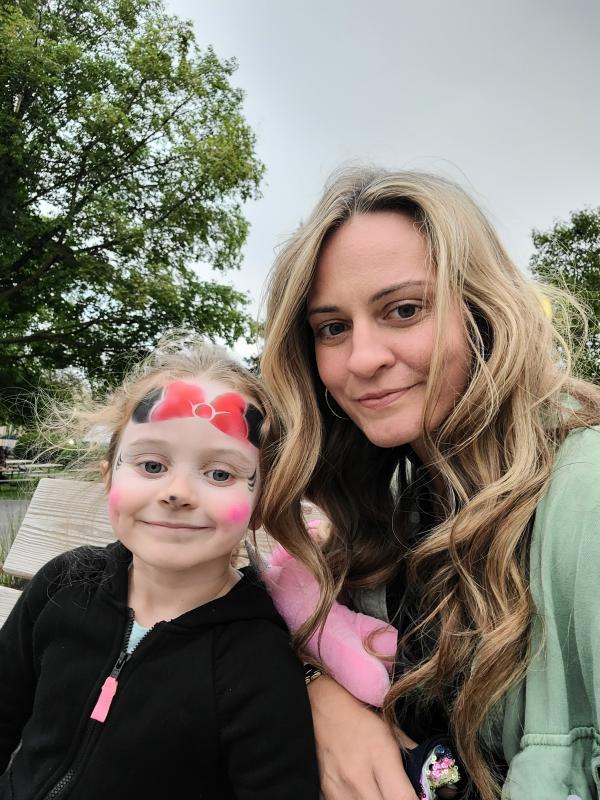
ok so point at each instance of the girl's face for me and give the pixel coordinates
(185, 480)
(371, 312)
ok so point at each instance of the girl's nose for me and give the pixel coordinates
(176, 501)
(180, 493)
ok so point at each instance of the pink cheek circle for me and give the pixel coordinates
(238, 514)
(113, 500)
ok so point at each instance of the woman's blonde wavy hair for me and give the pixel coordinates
(494, 452)
(91, 428)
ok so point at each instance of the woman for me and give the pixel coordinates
(429, 410)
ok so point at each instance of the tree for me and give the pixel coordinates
(568, 256)
(124, 157)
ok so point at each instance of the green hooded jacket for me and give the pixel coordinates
(551, 725)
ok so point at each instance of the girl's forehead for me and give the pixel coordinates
(213, 403)
(189, 438)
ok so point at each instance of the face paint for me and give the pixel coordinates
(238, 513)
(113, 500)
(228, 412)
(252, 481)
(143, 409)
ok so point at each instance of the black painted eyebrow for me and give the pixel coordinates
(373, 299)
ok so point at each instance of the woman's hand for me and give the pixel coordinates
(359, 757)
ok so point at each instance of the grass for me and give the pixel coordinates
(21, 492)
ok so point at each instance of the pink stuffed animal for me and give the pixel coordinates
(295, 594)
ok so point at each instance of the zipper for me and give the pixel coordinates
(100, 711)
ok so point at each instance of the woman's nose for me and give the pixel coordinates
(370, 352)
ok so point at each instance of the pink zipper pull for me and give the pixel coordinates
(109, 688)
(102, 707)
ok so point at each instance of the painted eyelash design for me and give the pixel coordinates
(119, 461)
(252, 481)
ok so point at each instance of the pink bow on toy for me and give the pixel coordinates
(345, 633)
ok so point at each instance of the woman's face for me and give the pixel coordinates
(371, 311)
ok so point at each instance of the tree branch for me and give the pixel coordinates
(47, 336)
(34, 247)
(45, 265)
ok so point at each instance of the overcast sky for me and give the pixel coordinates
(501, 95)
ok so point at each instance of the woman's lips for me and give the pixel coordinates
(381, 400)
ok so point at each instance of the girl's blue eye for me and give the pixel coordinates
(220, 475)
(153, 467)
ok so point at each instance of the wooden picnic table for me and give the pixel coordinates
(26, 466)
(29, 471)
(26, 473)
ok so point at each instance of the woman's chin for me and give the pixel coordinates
(386, 435)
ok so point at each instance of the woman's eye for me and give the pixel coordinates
(219, 475)
(406, 311)
(331, 329)
(153, 467)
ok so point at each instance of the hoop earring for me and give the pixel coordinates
(328, 404)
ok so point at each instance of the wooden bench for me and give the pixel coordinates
(64, 514)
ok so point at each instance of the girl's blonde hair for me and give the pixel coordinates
(494, 451)
(95, 426)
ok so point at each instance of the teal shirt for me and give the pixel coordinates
(551, 725)
(136, 636)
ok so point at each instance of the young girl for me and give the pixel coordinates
(152, 668)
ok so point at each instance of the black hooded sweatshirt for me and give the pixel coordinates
(211, 705)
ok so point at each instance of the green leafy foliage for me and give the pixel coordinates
(568, 256)
(124, 157)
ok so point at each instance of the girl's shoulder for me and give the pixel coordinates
(87, 563)
(86, 566)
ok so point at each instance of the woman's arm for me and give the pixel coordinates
(359, 756)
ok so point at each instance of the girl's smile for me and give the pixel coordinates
(174, 526)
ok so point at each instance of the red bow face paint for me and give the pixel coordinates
(228, 412)
(186, 478)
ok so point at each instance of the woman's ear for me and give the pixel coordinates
(105, 473)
